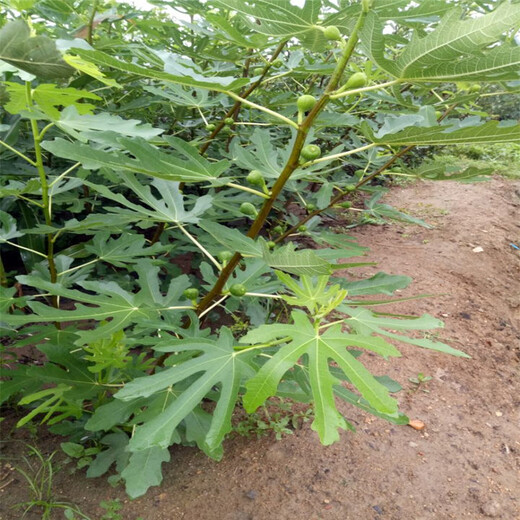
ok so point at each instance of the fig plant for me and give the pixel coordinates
(131, 233)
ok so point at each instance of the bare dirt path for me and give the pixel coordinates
(465, 464)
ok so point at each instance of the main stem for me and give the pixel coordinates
(290, 166)
(46, 206)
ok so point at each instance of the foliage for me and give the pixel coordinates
(162, 177)
(502, 159)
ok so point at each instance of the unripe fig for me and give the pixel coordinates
(332, 33)
(229, 121)
(255, 177)
(278, 230)
(311, 152)
(475, 88)
(271, 244)
(346, 204)
(224, 256)
(306, 102)
(258, 71)
(191, 293)
(277, 63)
(226, 131)
(350, 187)
(438, 114)
(238, 289)
(248, 209)
(210, 127)
(310, 207)
(357, 80)
(302, 229)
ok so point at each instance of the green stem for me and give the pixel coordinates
(91, 21)
(79, 266)
(339, 155)
(244, 101)
(249, 190)
(342, 93)
(26, 248)
(45, 190)
(200, 246)
(20, 154)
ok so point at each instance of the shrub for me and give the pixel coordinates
(160, 281)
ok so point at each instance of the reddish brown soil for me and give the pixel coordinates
(465, 464)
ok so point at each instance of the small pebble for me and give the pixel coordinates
(378, 510)
(491, 509)
(416, 424)
(251, 494)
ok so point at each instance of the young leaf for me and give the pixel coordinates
(305, 262)
(282, 19)
(232, 239)
(77, 124)
(104, 301)
(380, 283)
(457, 50)
(490, 132)
(169, 208)
(48, 97)
(125, 249)
(149, 160)
(367, 322)
(37, 55)
(183, 75)
(116, 452)
(8, 229)
(217, 364)
(144, 470)
(319, 348)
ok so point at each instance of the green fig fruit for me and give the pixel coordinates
(311, 152)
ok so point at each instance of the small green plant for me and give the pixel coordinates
(38, 471)
(112, 508)
(277, 417)
(83, 456)
(419, 381)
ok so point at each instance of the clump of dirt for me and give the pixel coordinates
(464, 464)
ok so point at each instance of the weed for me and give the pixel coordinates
(419, 381)
(283, 420)
(39, 472)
